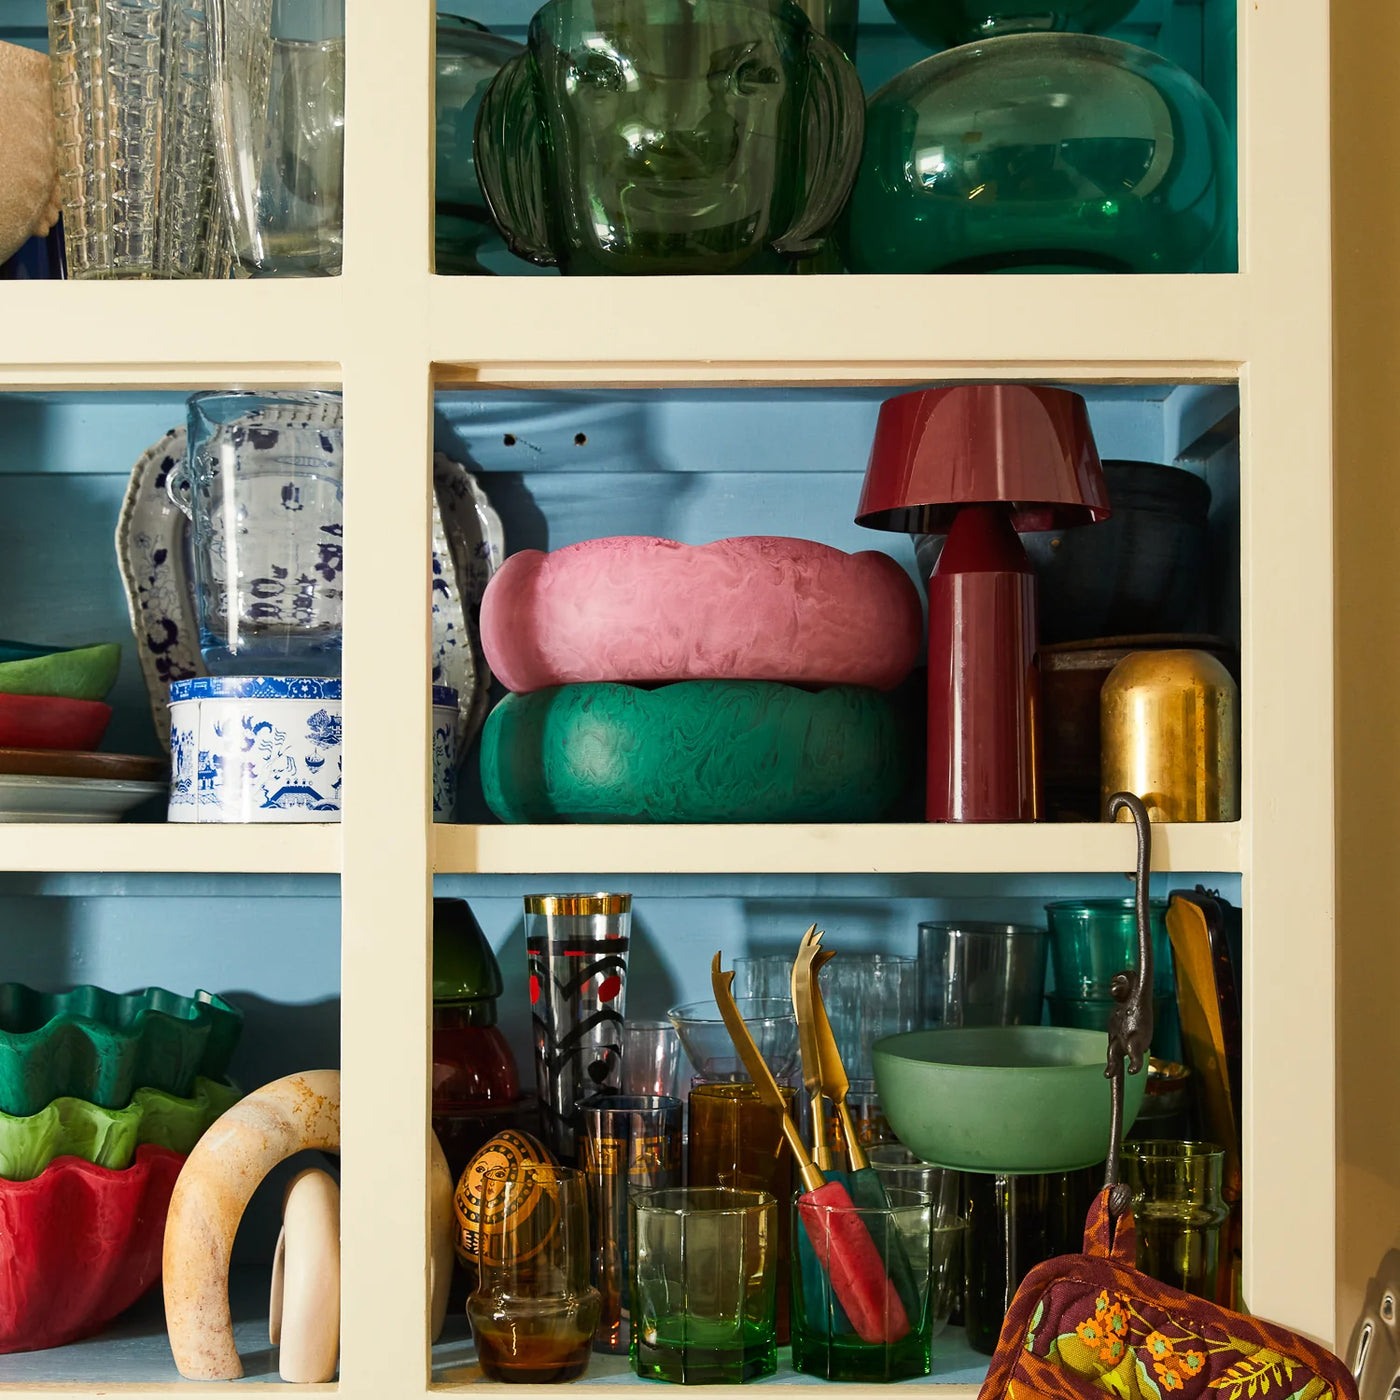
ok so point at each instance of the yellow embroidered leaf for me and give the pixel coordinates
(1259, 1362)
(1078, 1357)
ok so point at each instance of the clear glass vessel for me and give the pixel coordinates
(1041, 153)
(670, 136)
(262, 490)
(279, 126)
(132, 88)
(468, 57)
(941, 22)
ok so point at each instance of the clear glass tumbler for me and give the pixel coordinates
(704, 1284)
(133, 108)
(533, 1312)
(261, 487)
(279, 126)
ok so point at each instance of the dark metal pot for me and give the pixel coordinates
(1144, 569)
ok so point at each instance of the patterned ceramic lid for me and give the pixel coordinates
(255, 688)
(444, 695)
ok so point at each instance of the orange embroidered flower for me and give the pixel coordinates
(1090, 1332)
(1118, 1319)
(1161, 1347)
(1169, 1377)
(1191, 1362)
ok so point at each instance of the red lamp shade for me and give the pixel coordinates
(971, 444)
(980, 462)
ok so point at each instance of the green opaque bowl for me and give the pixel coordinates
(109, 1137)
(1002, 1098)
(82, 673)
(102, 1046)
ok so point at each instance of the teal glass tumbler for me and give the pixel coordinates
(1041, 153)
(908, 1234)
(939, 23)
(670, 136)
(704, 1284)
(1093, 940)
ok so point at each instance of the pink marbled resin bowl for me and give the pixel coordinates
(639, 610)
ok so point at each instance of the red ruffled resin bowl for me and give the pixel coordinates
(80, 1244)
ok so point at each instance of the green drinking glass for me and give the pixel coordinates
(1041, 153)
(938, 23)
(1180, 1213)
(670, 136)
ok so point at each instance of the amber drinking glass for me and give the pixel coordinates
(1179, 1212)
(736, 1141)
(670, 136)
(704, 1281)
(534, 1312)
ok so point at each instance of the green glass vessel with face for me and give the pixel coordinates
(670, 136)
(1041, 153)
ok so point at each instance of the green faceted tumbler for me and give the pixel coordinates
(1041, 153)
(670, 136)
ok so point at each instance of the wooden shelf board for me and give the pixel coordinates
(310, 848)
(874, 847)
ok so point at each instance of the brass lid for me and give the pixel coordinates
(581, 904)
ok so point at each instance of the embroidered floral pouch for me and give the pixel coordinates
(1088, 1324)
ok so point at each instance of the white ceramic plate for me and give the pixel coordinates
(153, 555)
(24, 798)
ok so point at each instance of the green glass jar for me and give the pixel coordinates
(1041, 153)
(670, 136)
(1179, 1212)
(941, 22)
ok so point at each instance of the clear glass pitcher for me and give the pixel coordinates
(279, 131)
(261, 486)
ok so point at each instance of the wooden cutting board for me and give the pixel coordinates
(64, 763)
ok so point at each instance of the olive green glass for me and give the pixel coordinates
(941, 22)
(670, 136)
(1179, 1212)
(1042, 153)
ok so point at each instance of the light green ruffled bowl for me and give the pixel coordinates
(109, 1137)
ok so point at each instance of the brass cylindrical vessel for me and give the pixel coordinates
(1169, 729)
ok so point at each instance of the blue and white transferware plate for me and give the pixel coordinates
(153, 553)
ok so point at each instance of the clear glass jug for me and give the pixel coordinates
(261, 487)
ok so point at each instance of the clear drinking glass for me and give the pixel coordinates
(704, 1284)
(533, 1312)
(262, 489)
(279, 125)
(651, 1058)
(868, 996)
(978, 973)
(133, 97)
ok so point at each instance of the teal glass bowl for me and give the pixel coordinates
(102, 1046)
(1002, 1099)
(1041, 153)
(109, 1137)
(941, 22)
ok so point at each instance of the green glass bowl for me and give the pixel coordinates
(109, 1137)
(102, 1046)
(1001, 1098)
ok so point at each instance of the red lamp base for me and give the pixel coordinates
(983, 680)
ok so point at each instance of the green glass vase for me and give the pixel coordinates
(468, 57)
(941, 22)
(670, 136)
(1041, 153)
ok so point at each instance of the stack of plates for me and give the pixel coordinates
(57, 785)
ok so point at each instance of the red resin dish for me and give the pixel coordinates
(81, 1243)
(51, 722)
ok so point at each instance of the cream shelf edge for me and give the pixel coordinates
(877, 848)
(311, 849)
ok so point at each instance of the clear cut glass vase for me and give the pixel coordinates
(279, 132)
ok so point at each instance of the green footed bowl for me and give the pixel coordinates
(102, 1046)
(1002, 1098)
(84, 673)
(695, 751)
(109, 1137)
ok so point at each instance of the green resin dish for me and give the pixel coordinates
(1003, 1099)
(84, 673)
(102, 1046)
(695, 751)
(109, 1137)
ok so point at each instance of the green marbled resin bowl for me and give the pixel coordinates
(109, 1137)
(696, 751)
(102, 1046)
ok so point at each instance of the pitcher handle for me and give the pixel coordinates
(179, 486)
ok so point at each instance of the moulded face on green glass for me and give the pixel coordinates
(670, 136)
(468, 57)
(1040, 153)
(940, 22)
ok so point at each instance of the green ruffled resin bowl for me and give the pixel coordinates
(109, 1137)
(102, 1046)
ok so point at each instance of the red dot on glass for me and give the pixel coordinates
(534, 989)
(609, 987)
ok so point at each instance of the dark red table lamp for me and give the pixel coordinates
(979, 462)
